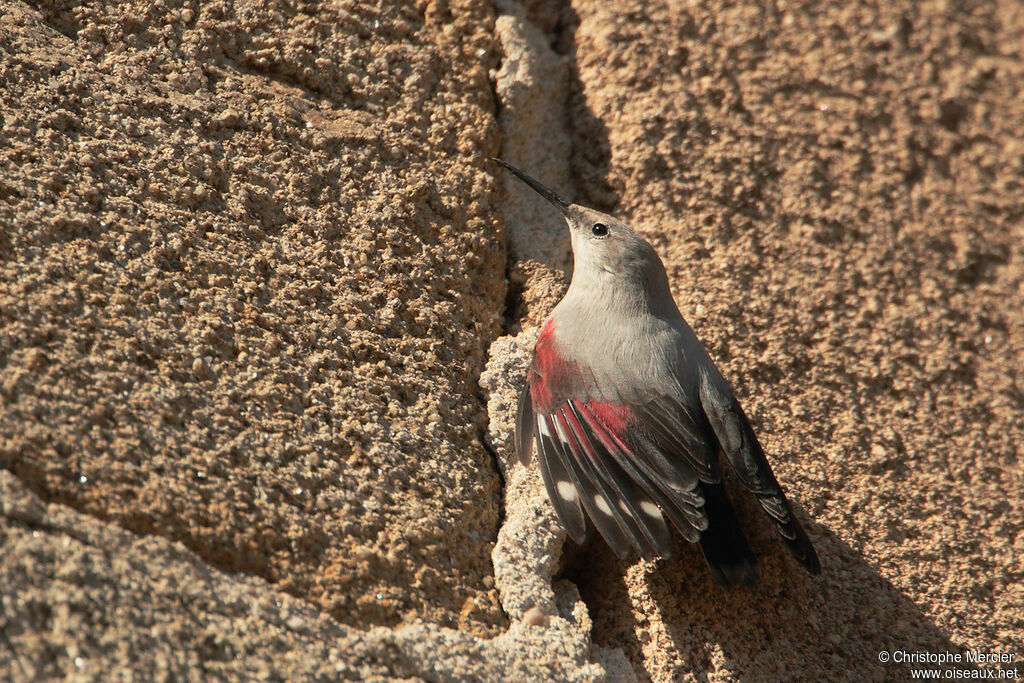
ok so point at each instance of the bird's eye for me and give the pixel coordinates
(599, 230)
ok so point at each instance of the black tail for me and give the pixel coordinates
(789, 528)
(725, 547)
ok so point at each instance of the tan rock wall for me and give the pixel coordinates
(264, 310)
(837, 191)
(249, 270)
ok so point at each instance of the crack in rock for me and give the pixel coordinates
(531, 87)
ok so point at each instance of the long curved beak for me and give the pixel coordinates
(537, 187)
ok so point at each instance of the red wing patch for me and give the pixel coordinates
(548, 370)
(600, 460)
(614, 418)
(590, 462)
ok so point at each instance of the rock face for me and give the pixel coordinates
(86, 600)
(837, 193)
(244, 304)
(264, 310)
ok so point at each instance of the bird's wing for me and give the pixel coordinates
(737, 440)
(630, 463)
(523, 440)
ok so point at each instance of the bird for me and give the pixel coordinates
(630, 418)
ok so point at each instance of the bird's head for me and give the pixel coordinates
(600, 243)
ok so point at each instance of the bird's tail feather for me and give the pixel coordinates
(778, 508)
(725, 547)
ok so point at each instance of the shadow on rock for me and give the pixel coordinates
(591, 147)
(672, 616)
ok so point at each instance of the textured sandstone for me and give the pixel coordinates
(243, 306)
(836, 190)
(84, 600)
(264, 311)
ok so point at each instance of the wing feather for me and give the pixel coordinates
(637, 514)
(743, 451)
(598, 506)
(675, 431)
(523, 439)
(678, 505)
(562, 489)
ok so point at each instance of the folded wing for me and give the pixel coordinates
(631, 466)
(737, 440)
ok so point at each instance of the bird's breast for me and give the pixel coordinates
(584, 351)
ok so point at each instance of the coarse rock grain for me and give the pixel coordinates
(253, 265)
(249, 270)
(88, 601)
(837, 191)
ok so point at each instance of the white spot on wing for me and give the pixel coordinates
(567, 491)
(602, 504)
(543, 424)
(650, 509)
(625, 508)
